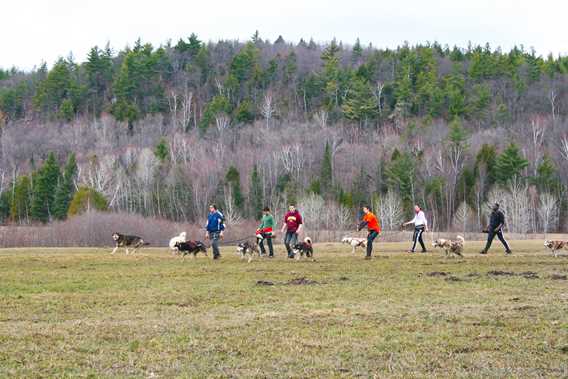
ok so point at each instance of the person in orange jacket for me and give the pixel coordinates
(370, 221)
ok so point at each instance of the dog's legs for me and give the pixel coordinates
(250, 258)
(114, 250)
(127, 251)
(352, 250)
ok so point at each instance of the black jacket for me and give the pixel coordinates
(497, 219)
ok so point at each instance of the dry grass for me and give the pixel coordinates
(81, 312)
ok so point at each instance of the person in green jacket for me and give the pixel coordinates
(265, 232)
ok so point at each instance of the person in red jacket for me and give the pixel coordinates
(372, 223)
(292, 226)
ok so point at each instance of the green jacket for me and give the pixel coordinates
(267, 223)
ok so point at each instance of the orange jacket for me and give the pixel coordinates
(372, 222)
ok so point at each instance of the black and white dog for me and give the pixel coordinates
(248, 249)
(302, 248)
(191, 247)
(126, 241)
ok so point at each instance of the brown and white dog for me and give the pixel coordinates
(182, 237)
(123, 240)
(555, 245)
(355, 242)
(450, 246)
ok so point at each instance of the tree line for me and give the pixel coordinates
(163, 131)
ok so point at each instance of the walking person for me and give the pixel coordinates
(370, 221)
(292, 226)
(420, 226)
(214, 229)
(265, 232)
(495, 228)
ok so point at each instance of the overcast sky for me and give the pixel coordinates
(32, 31)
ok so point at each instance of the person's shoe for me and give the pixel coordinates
(271, 256)
(410, 251)
(291, 256)
(368, 257)
(508, 252)
(483, 252)
(216, 257)
(424, 251)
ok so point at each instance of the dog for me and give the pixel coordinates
(123, 240)
(190, 247)
(355, 243)
(176, 239)
(555, 245)
(302, 248)
(248, 249)
(451, 246)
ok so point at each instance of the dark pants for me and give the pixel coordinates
(268, 239)
(214, 236)
(417, 237)
(370, 238)
(290, 239)
(499, 235)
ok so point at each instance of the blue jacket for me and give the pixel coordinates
(215, 222)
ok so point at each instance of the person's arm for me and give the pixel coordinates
(410, 222)
(361, 225)
(300, 224)
(501, 222)
(425, 222)
(284, 225)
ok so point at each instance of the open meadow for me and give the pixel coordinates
(79, 312)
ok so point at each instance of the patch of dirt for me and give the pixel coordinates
(558, 277)
(524, 308)
(464, 350)
(564, 349)
(437, 273)
(301, 282)
(515, 299)
(343, 278)
(452, 278)
(526, 274)
(264, 283)
(473, 275)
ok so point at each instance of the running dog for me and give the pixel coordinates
(248, 249)
(190, 247)
(555, 245)
(123, 240)
(302, 248)
(181, 238)
(355, 242)
(451, 246)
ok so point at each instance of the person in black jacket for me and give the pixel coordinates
(495, 228)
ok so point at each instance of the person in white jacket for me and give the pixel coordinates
(420, 226)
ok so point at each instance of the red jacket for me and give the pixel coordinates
(293, 220)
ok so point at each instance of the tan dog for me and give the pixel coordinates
(555, 245)
(355, 242)
(450, 246)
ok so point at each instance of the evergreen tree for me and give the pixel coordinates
(161, 151)
(256, 197)
(44, 189)
(510, 165)
(233, 180)
(326, 176)
(65, 189)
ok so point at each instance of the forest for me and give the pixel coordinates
(164, 131)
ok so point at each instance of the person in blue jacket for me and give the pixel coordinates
(215, 227)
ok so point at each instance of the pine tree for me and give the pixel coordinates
(510, 165)
(86, 199)
(161, 151)
(326, 176)
(256, 197)
(65, 189)
(44, 190)
(233, 180)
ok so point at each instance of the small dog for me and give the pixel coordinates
(181, 238)
(355, 243)
(302, 248)
(249, 249)
(555, 245)
(123, 240)
(451, 246)
(190, 247)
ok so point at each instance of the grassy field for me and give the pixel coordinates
(85, 313)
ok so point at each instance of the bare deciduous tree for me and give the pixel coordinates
(390, 211)
(548, 212)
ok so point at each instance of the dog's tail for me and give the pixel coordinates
(308, 240)
(144, 243)
(461, 239)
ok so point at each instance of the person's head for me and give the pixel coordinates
(212, 208)
(266, 210)
(417, 208)
(366, 209)
(495, 207)
(291, 207)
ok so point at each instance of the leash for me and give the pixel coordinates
(230, 242)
